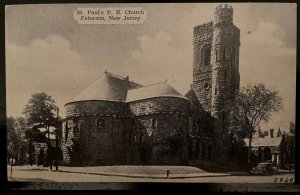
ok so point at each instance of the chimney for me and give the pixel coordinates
(271, 133)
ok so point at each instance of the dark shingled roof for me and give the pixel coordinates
(157, 90)
(112, 87)
(109, 86)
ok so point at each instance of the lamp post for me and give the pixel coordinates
(56, 140)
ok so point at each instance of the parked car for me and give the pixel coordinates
(264, 168)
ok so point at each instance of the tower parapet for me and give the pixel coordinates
(223, 13)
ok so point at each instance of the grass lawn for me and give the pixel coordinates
(145, 170)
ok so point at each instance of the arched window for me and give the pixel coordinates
(224, 53)
(76, 125)
(154, 122)
(66, 130)
(205, 55)
(142, 138)
(101, 124)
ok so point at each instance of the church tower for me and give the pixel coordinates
(224, 60)
(216, 78)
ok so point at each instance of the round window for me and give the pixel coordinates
(206, 86)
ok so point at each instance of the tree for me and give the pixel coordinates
(253, 106)
(15, 136)
(290, 144)
(40, 111)
(292, 128)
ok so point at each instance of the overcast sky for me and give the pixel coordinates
(46, 50)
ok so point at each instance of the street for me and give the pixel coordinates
(45, 175)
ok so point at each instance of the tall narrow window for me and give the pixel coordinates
(216, 91)
(232, 60)
(224, 53)
(233, 65)
(154, 123)
(205, 55)
(199, 126)
(76, 125)
(100, 125)
(225, 75)
(66, 130)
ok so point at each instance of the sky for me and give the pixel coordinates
(48, 51)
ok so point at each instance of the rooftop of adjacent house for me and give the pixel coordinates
(269, 133)
(260, 142)
(113, 87)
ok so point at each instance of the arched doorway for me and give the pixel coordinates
(266, 154)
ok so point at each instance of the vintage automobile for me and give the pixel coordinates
(264, 168)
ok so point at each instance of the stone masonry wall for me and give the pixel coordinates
(161, 125)
(85, 144)
(225, 76)
(201, 72)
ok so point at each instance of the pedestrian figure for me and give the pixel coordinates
(168, 173)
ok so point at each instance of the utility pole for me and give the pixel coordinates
(56, 140)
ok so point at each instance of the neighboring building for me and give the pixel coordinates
(271, 145)
(40, 153)
(117, 121)
(269, 149)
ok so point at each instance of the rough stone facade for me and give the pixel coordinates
(117, 121)
(92, 130)
(151, 131)
(216, 76)
(163, 123)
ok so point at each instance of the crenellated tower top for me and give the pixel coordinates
(223, 13)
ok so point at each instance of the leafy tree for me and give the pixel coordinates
(15, 136)
(292, 128)
(290, 144)
(40, 112)
(253, 106)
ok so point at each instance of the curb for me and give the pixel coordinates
(144, 176)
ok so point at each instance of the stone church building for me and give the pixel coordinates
(118, 121)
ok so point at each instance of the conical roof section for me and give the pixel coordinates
(157, 90)
(109, 87)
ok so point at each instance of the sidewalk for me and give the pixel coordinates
(99, 171)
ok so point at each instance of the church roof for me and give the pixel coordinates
(156, 90)
(113, 87)
(109, 86)
(267, 141)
